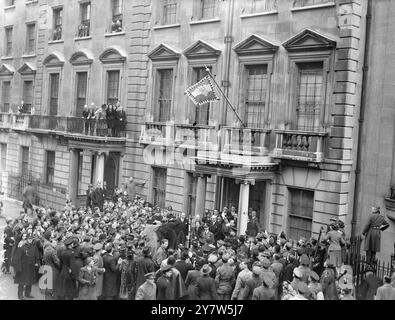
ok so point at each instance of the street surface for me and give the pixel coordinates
(8, 289)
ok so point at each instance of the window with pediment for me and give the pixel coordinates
(164, 62)
(310, 55)
(255, 56)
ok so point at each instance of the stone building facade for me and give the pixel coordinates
(292, 69)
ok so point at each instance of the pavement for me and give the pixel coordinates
(8, 289)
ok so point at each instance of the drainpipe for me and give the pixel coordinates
(361, 119)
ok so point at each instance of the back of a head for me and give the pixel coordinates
(171, 260)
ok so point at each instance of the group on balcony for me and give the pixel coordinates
(108, 120)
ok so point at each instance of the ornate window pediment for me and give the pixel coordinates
(6, 70)
(309, 40)
(164, 52)
(113, 55)
(27, 69)
(81, 57)
(201, 49)
(254, 45)
(55, 59)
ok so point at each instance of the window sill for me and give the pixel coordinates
(258, 14)
(7, 58)
(56, 41)
(204, 21)
(167, 26)
(32, 55)
(31, 2)
(9, 7)
(114, 34)
(83, 38)
(316, 6)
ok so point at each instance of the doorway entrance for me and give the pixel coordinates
(257, 200)
(111, 169)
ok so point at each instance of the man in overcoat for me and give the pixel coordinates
(67, 280)
(372, 234)
(25, 262)
(110, 279)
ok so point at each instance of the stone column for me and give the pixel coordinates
(120, 170)
(200, 205)
(100, 159)
(73, 174)
(243, 207)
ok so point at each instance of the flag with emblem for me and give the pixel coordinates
(202, 92)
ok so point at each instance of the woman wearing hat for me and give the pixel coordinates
(205, 285)
(335, 238)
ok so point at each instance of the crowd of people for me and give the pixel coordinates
(126, 248)
(108, 120)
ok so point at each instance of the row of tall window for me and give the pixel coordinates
(207, 9)
(84, 26)
(27, 95)
(30, 42)
(253, 105)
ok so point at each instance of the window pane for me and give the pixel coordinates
(169, 11)
(50, 170)
(263, 5)
(28, 94)
(159, 186)
(202, 112)
(6, 95)
(165, 94)
(113, 86)
(3, 162)
(8, 40)
(57, 27)
(25, 161)
(301, 213)
(256, 89)
(54, 94)
(82, 79)
(30, 38)
(309, 96)
(208, 9)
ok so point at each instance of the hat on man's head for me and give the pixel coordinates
(297, 273)
(150, 275)
(265, 263)
(98, 246)
(212, 258)
(165, 268)
(256, 270)
(69, 241)
(206, 269)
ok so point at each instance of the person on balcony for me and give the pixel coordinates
(92, 118)
(120, 119)
(85, 115)
(22, 109)
(111, 112)
(372, 234)
(116, 26)
(101, 116)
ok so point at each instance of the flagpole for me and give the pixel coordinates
(223, 94)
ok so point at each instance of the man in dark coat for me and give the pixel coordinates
(89, 196)
(164, 284)
(205, 285)
(67, 280)
(182, 227)
(182, 266)
(25, 263)
(372, 233)
(141, 266)
(369, 285)
(50, 258)
(110, 278)
(98, 197)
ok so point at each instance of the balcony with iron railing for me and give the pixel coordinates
(300, 145)
(157, 133)
(84, 29)
(76, 128)
(200, 137)
(20, 122)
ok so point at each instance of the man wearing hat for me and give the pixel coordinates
(372, 233)
(369, 285)
(315, 286)
(386, 291)
(225, 279)
(205, 285)
(254, 281)
(147, 291)
(164, 284)
(143, 265)
(51, 259)
(67, 288)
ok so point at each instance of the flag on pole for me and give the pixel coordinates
(202, 92)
